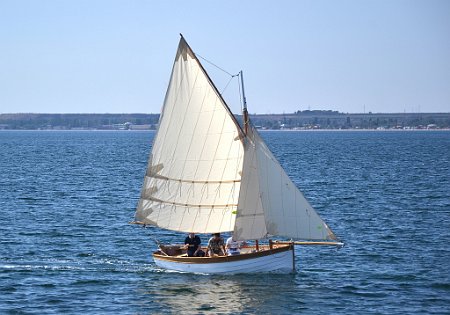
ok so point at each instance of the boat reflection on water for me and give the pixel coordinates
(185, 293)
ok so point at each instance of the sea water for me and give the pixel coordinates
(66, 198)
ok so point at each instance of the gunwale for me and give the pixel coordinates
(279, 248)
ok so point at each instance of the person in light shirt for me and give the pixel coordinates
(234, 247)
(216, 246)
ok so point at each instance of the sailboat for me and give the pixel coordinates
(207, 174)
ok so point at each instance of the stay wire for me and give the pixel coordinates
(213, 64)
(229, 81)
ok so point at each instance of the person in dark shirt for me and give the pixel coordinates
(192, 243)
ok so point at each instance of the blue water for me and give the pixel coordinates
(66, 246)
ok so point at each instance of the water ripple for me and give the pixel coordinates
(66, 247)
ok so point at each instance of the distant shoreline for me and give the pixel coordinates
(297, 121)
(260, 130)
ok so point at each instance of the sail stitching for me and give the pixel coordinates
(190, 143)
(231, 193)
(210, 169)
(190, 205)
(157, 176)
(178, 91)
(172, 160)
(183, 80)
(160, 147)
(158, 140)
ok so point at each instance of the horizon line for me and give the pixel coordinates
(283, 113)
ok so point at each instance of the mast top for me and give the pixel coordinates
(243, 91)
(244, 105)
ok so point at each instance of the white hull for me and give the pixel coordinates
(281, 261)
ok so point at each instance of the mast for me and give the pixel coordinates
(244, 108)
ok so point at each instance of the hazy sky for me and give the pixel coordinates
(105, 56)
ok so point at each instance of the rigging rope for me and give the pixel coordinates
(213, 64)
(232, 76)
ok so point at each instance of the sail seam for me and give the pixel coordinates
(191, 93)
(183, 66)
(210, 169)
(190, 205)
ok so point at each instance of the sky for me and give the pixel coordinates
(114, 56)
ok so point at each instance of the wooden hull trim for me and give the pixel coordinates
(279, 259)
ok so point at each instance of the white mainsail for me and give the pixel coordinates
(204, 175)
(193, 177)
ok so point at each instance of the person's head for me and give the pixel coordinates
(216, 235)
(192, 235)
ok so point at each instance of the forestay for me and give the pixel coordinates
(193, 177)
